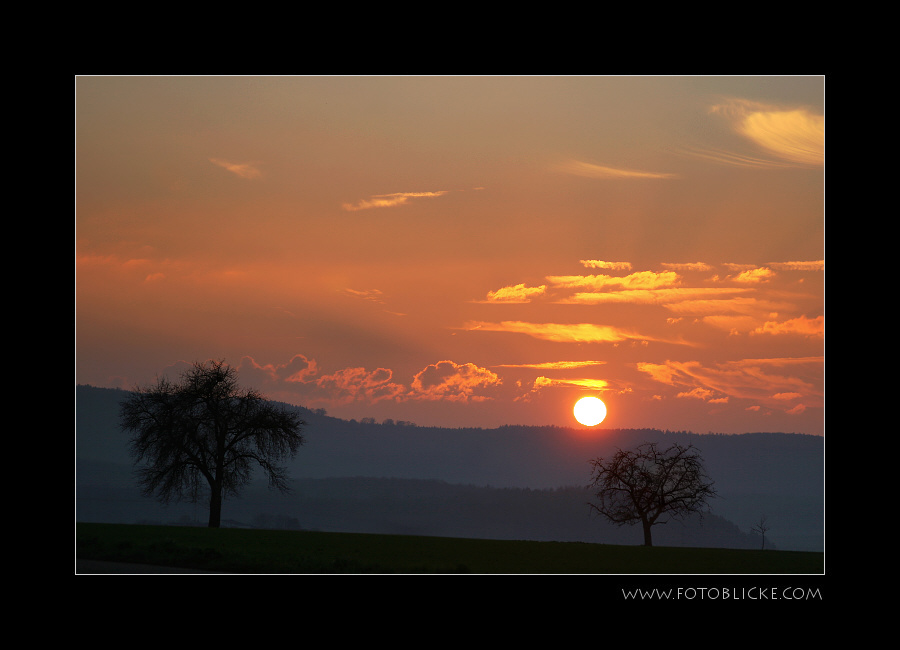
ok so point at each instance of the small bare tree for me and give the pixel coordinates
(647, 483)
(761, 527)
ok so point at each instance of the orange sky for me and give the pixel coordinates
(462, 251)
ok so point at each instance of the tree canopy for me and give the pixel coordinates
(647, 483)
(206, 433)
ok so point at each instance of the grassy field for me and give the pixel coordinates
(232, 550)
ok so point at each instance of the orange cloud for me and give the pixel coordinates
(301, 375)
(663, 296)
(697, 393)
(591, 384)
(600, 264)
(299, 369)
(590, 170)
(373, 295)
(552, 365)
(816, 265)
(752, 379)
(244, 170)
(515, 294)
(559, 332)
(639, 280)
(784, 137)
(810, 327)
(445, 380)
(688, 266)
(794, 135)
(352, 384)
(449, 381)
(753, 276)
(735, 304)
(389, 200)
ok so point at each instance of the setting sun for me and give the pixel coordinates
(590, 411)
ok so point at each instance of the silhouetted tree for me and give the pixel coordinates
(761, 527)
(206, 431)
(645, 484)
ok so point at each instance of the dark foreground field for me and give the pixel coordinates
(231, 550)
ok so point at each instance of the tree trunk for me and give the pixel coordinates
(648, 539)
(215, 508)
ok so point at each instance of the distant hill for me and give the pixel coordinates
(513, 482)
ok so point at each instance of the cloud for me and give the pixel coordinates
(734, 159)
(639, 280)
(809, 327)
(731, 266)
(515, 294)
(389, 200)
(748, 306)
(600, 264)
(697, 393)
(449, 381)
(358, 384)
(664, 296)
(761, 380)
(592, 384)
(687, 266)
(300, 379)
(816, 265)
(754, 276)
(590, 170)
(794, 136)
(552, 365)
(298, 370)
(374, 295)
(244, 170)
(559, 332)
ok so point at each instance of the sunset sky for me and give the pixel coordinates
(461, 251)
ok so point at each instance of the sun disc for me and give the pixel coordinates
(590, 411)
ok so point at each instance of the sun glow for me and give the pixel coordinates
(590, 411)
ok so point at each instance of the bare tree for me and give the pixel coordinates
(646, 484)
(206, 432)
(761, 527)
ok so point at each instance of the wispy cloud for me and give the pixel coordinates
(374, 295)
(755, 276)
(787, 136)
(244, 170)
(816, 265)
(514, 294)
(803, 326)
(390, 200)
(600, 264)
(561, 332)
(639, 280)
(687, 266)
(661, 296)
(761, 380)
(735, 159)
(590, 170)
(592, 384)
(552, 365)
